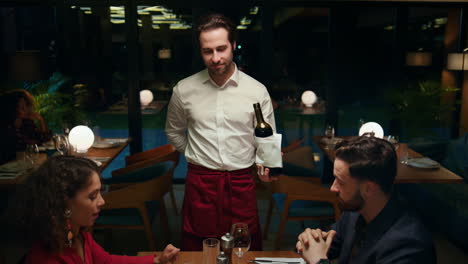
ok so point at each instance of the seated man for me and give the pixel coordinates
(374, 227)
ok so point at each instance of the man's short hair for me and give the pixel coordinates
(214, 21)
(370, 158)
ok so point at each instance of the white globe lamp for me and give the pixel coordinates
(81, 138)
(146, 97)
(308, 98)
(373, 128)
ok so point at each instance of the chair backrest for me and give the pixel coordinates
(162, 161)
(165, 151)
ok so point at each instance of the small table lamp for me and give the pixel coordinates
(308, 98)
(146, 97)
(81, 138)
(418, 58)
(373, 128)
(457, 62)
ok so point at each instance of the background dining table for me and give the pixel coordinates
(405, 173)
(103, 156)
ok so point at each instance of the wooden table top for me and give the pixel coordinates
(195, 257)
(405, 173)
(111, 153)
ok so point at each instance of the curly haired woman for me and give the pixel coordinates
(59, 201)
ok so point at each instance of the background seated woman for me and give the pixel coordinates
(21, 125)
(55, 206)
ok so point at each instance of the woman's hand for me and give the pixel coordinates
(169, 255)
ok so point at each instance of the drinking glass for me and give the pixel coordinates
(240, 232)
(31, 152)
(61, 144)
(394, 140)
(330, 131)
(210, 250)
(403, 153)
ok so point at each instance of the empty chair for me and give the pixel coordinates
(300, 198)
(137, 191)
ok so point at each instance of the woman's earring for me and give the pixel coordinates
(68, 214)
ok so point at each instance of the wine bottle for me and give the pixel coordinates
(262, 129)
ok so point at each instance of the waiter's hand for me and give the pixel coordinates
(264, 174)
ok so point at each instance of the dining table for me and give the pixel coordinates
(405, 173)
(102, 155)
(196, 257)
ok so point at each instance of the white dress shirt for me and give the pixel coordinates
(214, 125)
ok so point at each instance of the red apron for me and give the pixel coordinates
(214, 200)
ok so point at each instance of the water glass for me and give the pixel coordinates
(330, 131)
(61, 144)
(210, 250)
(97, 133)
(32, 150)
(403, 153)
(394, 140)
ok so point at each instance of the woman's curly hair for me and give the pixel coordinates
(39, 205)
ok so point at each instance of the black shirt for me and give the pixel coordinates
(393, 236)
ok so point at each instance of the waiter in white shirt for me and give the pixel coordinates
(211, 120)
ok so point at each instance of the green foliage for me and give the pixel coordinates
(420, 106)
(60, 110)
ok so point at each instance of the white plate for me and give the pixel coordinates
(104, 144)
(423, 163)
(109, 142)
(15, 166)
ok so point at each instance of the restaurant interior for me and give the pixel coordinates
(111, 66)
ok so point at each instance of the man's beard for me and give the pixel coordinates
(220, 71)
(356, 203)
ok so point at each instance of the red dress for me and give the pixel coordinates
(214, 200)
(93, 254)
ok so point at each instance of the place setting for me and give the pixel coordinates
(104, 143)
(416, 162)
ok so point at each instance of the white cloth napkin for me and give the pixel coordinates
(283, 260)
(269, 151)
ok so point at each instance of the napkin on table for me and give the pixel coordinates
(283, 260)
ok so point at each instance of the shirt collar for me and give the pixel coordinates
(234, 79)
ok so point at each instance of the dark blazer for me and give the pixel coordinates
(394, 236)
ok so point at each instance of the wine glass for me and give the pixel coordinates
(240, 232)
(61, 144)
(31, 152)
(394, 140)
(329, 131)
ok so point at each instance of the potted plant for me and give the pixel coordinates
(419, 109)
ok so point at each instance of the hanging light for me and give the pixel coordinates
(81, 138)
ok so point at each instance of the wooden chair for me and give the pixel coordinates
(312, 202)
(129, 205)
(300, 198)
(154, 153)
